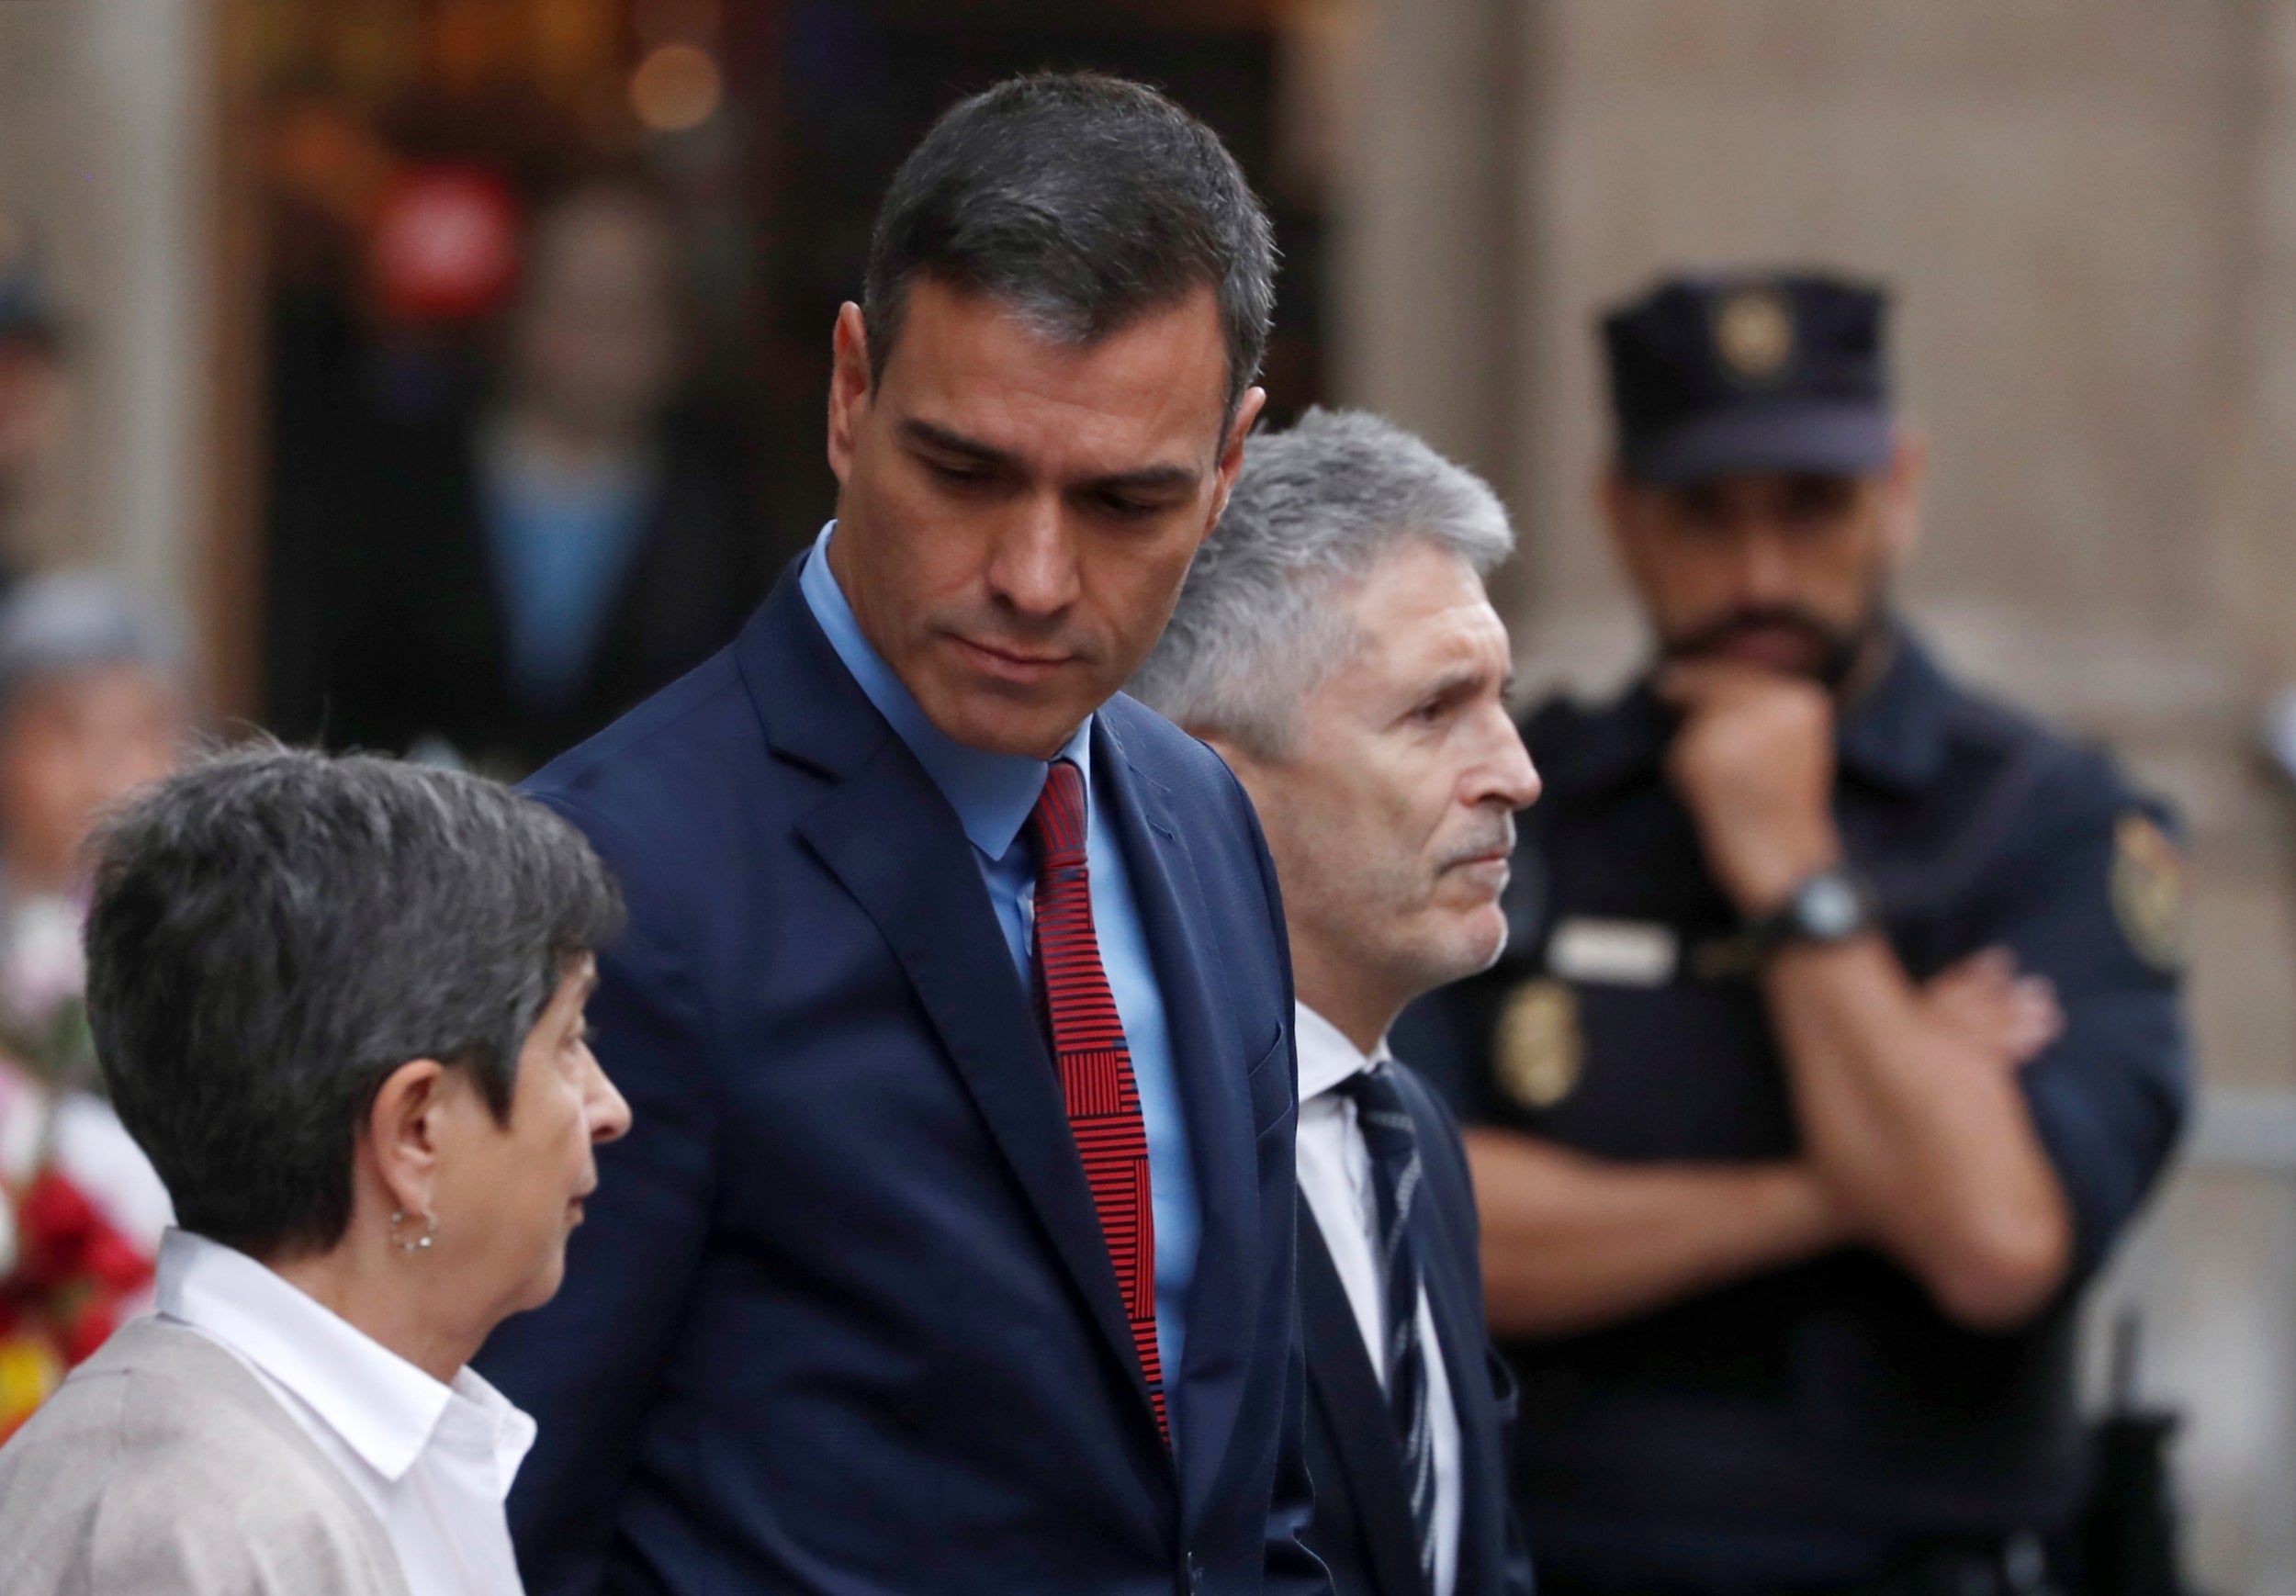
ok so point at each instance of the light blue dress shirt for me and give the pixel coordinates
(561, 549)
(993, 795)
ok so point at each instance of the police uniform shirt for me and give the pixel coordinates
(1804, 1424)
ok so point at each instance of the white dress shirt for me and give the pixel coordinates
(1336, 1178)
(435, 1462)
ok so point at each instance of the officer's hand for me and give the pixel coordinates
(2009, 1016)
(1754, 760)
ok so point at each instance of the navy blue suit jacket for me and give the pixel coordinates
(842, 1318)
(1363, 1528)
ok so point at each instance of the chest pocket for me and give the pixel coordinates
(1685, 1070)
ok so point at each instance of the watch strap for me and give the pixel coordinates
(1830, 905)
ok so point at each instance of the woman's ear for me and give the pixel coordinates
(404, 1132)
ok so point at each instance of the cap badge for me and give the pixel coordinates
(1538, 1051)
(1753, 332)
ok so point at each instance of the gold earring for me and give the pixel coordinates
(422, 1241)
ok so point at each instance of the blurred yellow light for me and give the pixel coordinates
(676, 88)
(573, 40)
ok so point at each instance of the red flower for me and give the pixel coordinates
(74, 1272)
(114, 1260)
(53, 1223)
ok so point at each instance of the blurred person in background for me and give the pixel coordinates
(340, 1004)
(1335, 644)
(1839, 1037)
(35, 388)
(502, 584)
(94, 702)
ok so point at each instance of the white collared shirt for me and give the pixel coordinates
(1336, 1178)
(434, 1462)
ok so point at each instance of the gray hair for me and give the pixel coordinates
(1079, 201)
(62, 621)
(1313, 510)
(274, 932)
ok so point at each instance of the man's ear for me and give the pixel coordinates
(1902, 483)
(1247, 415)
(848, 385)
(1264, 783)
(404, 1132)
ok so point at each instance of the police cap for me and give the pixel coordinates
(1751, 372)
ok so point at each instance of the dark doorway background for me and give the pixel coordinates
(858, 83)
(774, 189)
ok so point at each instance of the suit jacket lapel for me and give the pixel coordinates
(1464, 1345)
(1356, 1410)
(891, 840)
(1208, 1062)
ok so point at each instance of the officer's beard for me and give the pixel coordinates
(1835, 652)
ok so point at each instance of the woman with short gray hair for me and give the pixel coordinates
(340, 1005)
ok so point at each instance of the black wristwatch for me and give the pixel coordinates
(1833, 906)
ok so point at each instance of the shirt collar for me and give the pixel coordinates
(992, 793)
(384, 1408)
(1327, 1059)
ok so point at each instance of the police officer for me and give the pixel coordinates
(1838, 1035)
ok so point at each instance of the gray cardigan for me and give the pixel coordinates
(164, 1465)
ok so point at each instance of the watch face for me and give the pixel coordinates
(1830, 909)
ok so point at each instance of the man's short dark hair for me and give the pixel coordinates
(1079, 201)
(274, 932)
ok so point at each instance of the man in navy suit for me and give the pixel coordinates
(952, 1251)
(1334, 642)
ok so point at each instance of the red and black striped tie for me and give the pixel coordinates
(1096, 1067)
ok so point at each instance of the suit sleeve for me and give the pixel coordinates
(135, 1515)
(587, 1364)
(2096, 909)
(1290, 1565)
(177, 1553)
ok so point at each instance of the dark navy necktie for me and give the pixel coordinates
(1388, 1135)
(1095, 1061)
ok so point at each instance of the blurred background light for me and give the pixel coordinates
(445, 244)
(676, 88)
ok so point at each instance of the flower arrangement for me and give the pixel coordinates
(69, 1273)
